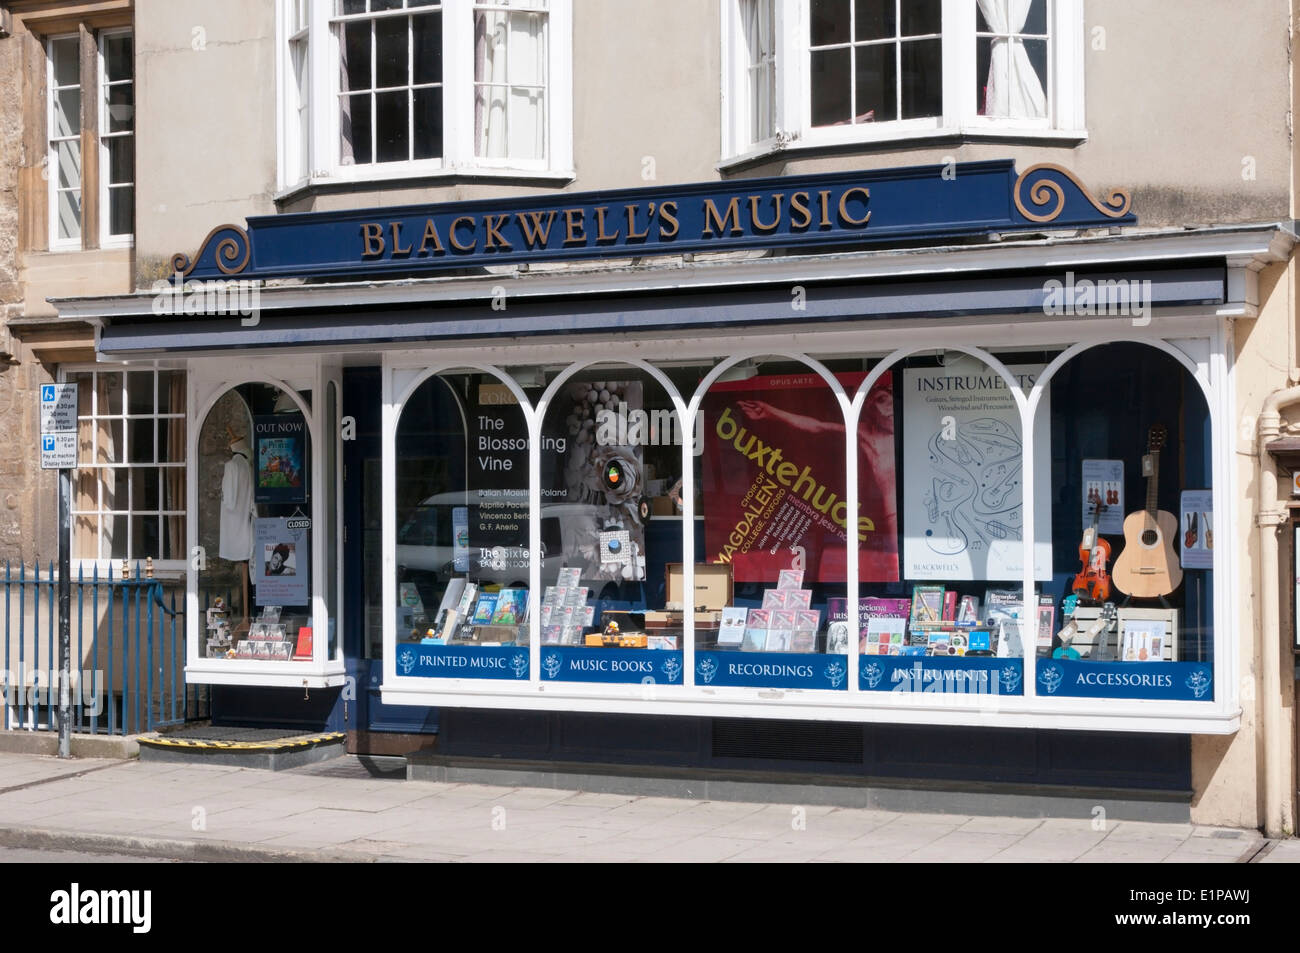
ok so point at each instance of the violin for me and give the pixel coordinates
(1092, 579)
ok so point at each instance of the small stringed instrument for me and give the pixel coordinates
(1148, 567)
(1094, 552)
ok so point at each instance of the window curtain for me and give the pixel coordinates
(509, 85)
(174, 477)
(757, 16)
(346, 155)
(1013, 87)
(490, 68)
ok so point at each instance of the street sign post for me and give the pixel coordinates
(58, 447)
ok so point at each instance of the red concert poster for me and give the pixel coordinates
(773, 482)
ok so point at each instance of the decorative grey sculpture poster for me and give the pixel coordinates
(963, 516)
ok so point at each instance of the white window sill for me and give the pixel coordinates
(368, 177)
(974, 132)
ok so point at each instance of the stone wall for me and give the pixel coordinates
(25, 520)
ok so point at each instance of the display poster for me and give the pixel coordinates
(1196, 529)
(497, 517)
(1103, 481)
(773, 479)
(281, 458)
(593, 479)
(962, 490)
(281, 561)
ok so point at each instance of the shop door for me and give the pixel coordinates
(363, 644)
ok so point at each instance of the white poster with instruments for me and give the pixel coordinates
(1196, 529)
(1103, 480)
(962, 495)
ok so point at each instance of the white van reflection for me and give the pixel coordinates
(427, 551)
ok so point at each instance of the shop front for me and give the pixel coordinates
(889, 448)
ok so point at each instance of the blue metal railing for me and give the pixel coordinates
(128, 654)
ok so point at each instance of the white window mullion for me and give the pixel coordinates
(559, 92)
(458, 85)
(410, 87)
(323, 90)
(798, 93)
(733, 64)
(1065, 56)
(960, 85)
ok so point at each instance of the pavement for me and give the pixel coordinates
(338, 811)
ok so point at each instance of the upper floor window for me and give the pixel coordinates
(846, 71)
(378, 89)
(90, 145)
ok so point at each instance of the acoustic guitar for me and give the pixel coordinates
(1148, 567)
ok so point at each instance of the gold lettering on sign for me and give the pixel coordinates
(825, 195)
(712, 218)
(753, 213)
(600, 225)
(574, 228)
(396, 228)
(632, 234)
(669, 217)
(799, 203)
(844, 214)
(494, 237)
(451, 235)
(430, 232)
(535, 233)
(373, 234)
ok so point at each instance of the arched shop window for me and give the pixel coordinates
(612, 443)
(941, 460)
(1131, 452)
(463, 525)
(773, 519)
(254, 491)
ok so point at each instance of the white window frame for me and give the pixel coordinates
(793, 109)
(458, 157)
(101, 562)
(106, 238)
(52, 153)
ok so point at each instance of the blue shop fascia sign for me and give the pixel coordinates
(966, 676)
(842, 208)
(566, 663)
(1170, 681)
(463, 661)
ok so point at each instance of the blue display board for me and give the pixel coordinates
(463, 661)
(1171, 681)
(963, 675)
(571, 663)
(772, 670)
(876, 205)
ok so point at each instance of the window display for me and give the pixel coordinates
(463, 557)
(611, 459)
(255, 527)
(1135, 609)
(1119, 600)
